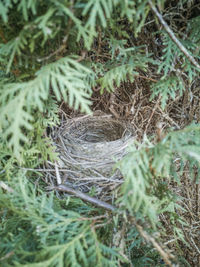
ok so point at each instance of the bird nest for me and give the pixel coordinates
(88, 148)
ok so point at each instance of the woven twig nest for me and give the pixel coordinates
(88, 148)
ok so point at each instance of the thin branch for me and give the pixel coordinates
(147, 78)
(152, 113)
(58, 178)
(172, 35)
(85, 197)
(8, 255)
(6, 187)
(166, 256)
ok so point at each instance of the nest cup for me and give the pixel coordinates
(88, 148)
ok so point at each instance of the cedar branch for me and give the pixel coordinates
(172, 35)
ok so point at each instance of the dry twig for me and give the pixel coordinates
(172, 35)
(85, 197)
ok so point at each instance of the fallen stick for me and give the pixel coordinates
(83, 196)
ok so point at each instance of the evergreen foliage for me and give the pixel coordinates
(48, 55)
(18, 100)
(124, 66)
(144, 169)
(47, 232)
